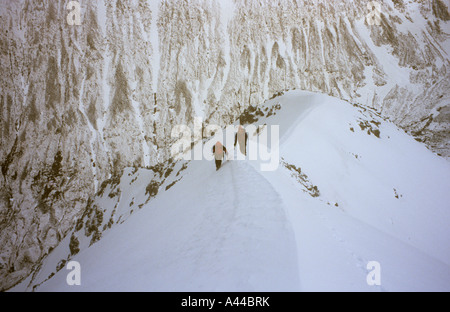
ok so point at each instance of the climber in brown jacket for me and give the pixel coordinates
(241, 137)
(219, 152)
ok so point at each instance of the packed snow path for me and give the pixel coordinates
(243, 240)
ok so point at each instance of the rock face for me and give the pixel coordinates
(81, 102)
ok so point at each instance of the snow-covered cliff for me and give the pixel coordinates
(81, 102)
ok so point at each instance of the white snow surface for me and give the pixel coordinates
(381, 199)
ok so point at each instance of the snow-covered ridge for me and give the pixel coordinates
(241, 229)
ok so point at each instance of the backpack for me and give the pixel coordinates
(218, 150)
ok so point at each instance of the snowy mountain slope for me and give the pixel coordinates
(387, 200)
(80, 103)
(351, 188)
(193, 237)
